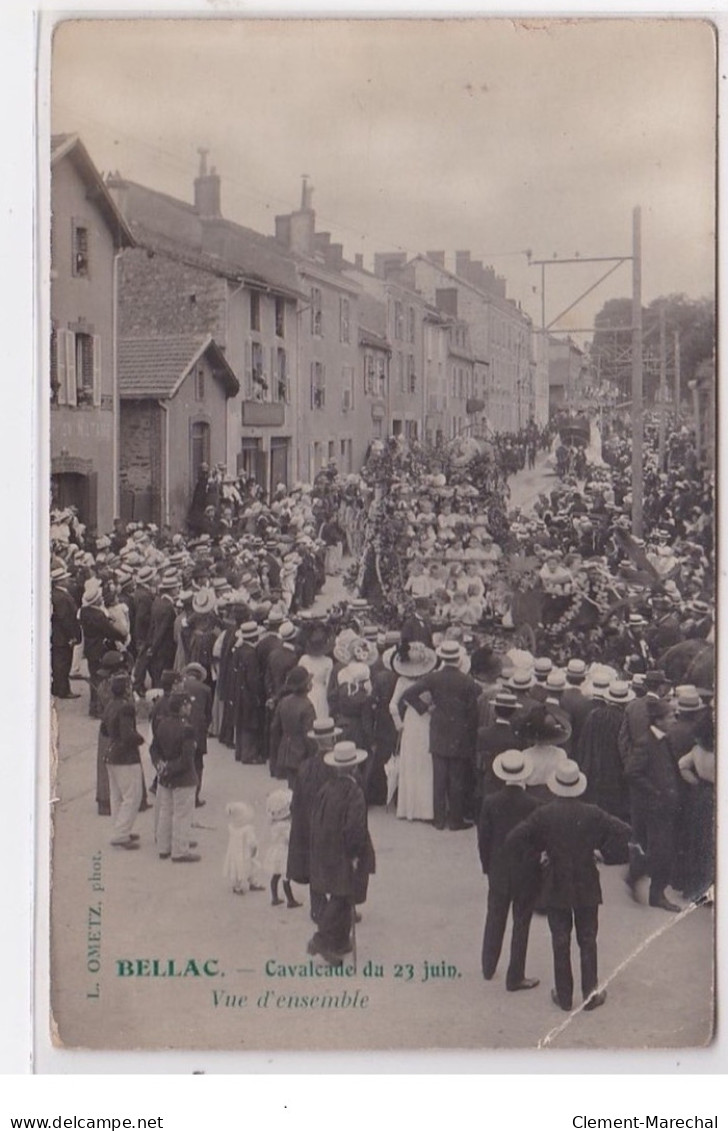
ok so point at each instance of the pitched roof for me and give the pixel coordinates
(168, 224)
(156, 367)
(71, 146)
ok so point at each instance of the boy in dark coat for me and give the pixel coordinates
(570, 832)
(342, 854)
(501, 812)
(292, 720)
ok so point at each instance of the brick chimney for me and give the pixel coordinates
(462, 264)
(296, 231)
(387, 263)
(359, 261)
(207, 190)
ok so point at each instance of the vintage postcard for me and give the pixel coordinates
(379, 396)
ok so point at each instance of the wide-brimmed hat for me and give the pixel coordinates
(345, 754)
(324, 728)
(567, 780)
(278, 804)
(513, 765)
(620, 692)
(413, 659)
(204, 601)
(368, 649)
(520, 679)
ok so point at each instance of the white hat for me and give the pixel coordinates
(567, 780)
(513, 765)
(345, 754)
(620, 692)
(450, 652)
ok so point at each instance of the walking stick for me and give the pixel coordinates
(353, 934)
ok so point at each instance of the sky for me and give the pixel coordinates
(494, 136)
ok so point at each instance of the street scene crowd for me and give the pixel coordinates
(536, 673)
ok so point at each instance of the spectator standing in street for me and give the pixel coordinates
(342, 854)
(175, 743)
(65, 633)
(569, 831)
(124, 763)
(162, 647)
(200, 715)
(500, 813)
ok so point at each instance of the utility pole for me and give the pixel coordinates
(663, 390)
(677, 371)
(637, 412)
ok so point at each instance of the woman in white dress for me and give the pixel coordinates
(415, 785)
(320, 667)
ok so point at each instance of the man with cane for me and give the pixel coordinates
(342, 854)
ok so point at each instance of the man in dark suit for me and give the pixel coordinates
(495, 738)
(65, 633)
(416, 626)
(162, 646)
(142, 599)
(200, 697)
(453, 729)
(501, 812)
(577, 705)
(570, 832)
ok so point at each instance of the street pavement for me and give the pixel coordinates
(418, 946)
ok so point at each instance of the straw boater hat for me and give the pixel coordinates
(170, 580)
(413, 660)
(620, 692)
(576, 670)
(520, 680)
(688, 701)
(567, 780)
(450, 652)
(556, 681)
(204, 601)
(59, 573)
(249, 631)
(345, 755)
(287, 631)
(636, 620)
(505, 701)
(542, 665)
(513, 765)
(324, 728)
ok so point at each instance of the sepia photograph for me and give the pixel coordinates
(379, 381)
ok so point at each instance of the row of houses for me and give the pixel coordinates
(180, 337)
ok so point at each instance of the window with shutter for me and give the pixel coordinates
(84, 369)
(96, 363)
(70, 353)
(61, 373)
(248, 372)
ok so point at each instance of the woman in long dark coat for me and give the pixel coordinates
(249, 696)
(225, 690)
(599, 757)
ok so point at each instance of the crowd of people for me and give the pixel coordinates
(420, 691)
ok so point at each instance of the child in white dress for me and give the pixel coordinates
(241, 866)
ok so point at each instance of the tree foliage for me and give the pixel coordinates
(692, 319)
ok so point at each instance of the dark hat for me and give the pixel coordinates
(112, 661)
(168, 679)
(655, 679)
(297, 679)
(119, 684)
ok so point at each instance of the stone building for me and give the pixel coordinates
(88, 234)
(174, 394)
(197, 273)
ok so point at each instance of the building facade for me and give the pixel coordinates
(196, 272)
(88, 234)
